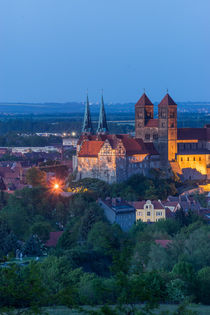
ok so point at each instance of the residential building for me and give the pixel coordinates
(119, 211)
(149, 211)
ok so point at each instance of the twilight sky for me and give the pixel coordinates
(53, 50)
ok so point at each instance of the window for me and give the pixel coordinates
(148, 213)
(188, 159)
(158, 213)
(147, 136)
(163, 114)
(155, 136)
(172, 115)
(172, 125)
(163, 125)
(194, 159)
(181, 159)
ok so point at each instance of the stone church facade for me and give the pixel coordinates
(158, 143)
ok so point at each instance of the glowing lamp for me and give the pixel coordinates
(56, 186)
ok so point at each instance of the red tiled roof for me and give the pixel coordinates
(152, 123)
(86, 137)
(151, 148)
(140, 204)
(167, 101)
(90, 148)
(134, 146)
(163, 243)
(53, 240)
(192, 134)
(144, 100)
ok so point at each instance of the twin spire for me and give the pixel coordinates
(102, 123)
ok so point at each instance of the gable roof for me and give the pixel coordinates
(134, 146)
(143, 101)
(167, 101)
(90, 148)
(140, 204)
(152, 123)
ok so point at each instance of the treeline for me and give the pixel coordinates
(96, 263)
(58, 125)
(13, 139)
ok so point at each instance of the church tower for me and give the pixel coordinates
(144, 111)
(102, 123)
(87, 124)
(167, 132)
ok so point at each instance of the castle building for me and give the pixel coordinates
(158, 143)
(184, 150)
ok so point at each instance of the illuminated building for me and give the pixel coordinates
(158, 143)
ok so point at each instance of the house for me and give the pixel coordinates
(172, 205)
(150, 211)
(119, 211)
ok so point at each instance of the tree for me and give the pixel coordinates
(35, 177)
(41, 229)
(203, 285)
(33, 247)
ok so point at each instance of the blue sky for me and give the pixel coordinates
(53, 50)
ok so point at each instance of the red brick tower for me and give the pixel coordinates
(167, 131)
(144, 111)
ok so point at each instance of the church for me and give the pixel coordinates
(157, 144)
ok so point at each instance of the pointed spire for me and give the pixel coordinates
(143, 101)
(87, 124)
(102, 123)
(167, 101)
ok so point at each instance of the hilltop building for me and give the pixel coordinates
(185, 150)
(158, 143)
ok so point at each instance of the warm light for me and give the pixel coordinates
(64, 134)
(73, 133)
(56, 186)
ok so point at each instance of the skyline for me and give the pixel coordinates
(53, 51)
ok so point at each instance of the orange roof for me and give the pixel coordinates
(152, 123)
(132, 146)
(90, 148)
(167, 101)
(143, 101)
